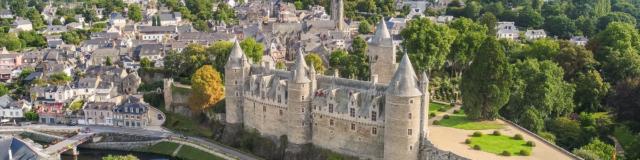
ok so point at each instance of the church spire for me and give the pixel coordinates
(404, 82)
(300, 69)
(382, 34)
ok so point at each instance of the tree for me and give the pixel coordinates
(602, 150)
(56, 22)
(135, 13)
(538, 85)
(542, 49)
(280, 65)
(590, 92)
(31, 115)
(10, 41)
(315, 59)
(32, 39)
(3, 90)
(625, 99)
(59, 78)
(573, 59)
(252, 49)
(604, 21)
(490, 21)
(364, 27)
(359, 46)
(146, 63)
(427, 43)
(529, 18)
(586, 25)
(617, 48)
(108, 62)
(567, 131)
(207, 88)
(485, 86)
(74, 37)
(464, 48)
(472, 9)
(127, 157)
(560, 26)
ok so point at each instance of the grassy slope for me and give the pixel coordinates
(186, 125)
(498, 144)
(190, 153)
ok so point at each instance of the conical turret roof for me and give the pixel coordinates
(300, 69)
(382, 35)
(236, 57)
(404, 82)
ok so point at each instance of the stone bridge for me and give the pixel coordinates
(69, 144)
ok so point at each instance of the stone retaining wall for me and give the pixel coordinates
(430, 152)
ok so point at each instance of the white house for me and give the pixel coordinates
(507, 30)
(21, 24)
(170, 19)
(533, 34)
(116, 19)
(579, 40)
(6, 14)
(157, 33)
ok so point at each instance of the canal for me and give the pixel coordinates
(96, 154)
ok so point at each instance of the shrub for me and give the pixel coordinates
(467, 141)
(518, 137)
(525, 152)
(476, 147)
(505, 153)
(431, 115)
(497, 133)
(436, 122)
(457, 111)
(445, 116)
(531, 144)
(442, 110)
(477, 134)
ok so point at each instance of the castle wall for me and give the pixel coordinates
(266, 116)
(361, 141)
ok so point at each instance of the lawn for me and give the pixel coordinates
(190, 153)
(186, 125)
(498, 144)
(165, 148)
(460, 121)
(436, 107)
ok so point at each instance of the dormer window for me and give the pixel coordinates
(352, 112)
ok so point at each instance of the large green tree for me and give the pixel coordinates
(135, 13)
(591, 89)
(485, 86)
(252, 49)
(616, 48)
(529, 18)
(427, 43)
(561, 26)
(538, 85)
(604, 21)
(464, 48)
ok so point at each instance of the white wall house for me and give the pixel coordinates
(532, 34)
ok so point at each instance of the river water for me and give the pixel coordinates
(94, 154)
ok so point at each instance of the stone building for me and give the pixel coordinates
(381, 52)
(368, 119)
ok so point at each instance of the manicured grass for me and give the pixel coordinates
(165, 148)
(190, 153)
(180, 90)
(186, 125)
(498, 144)
(460, 121)
(434, 107)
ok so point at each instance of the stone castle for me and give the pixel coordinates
(385, 118)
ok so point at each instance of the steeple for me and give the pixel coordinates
(404, 82)
(382, 35)
(237, 59)
(300, 69)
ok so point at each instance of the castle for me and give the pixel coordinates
(385, 118)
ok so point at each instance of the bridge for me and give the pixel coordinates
(68, 144)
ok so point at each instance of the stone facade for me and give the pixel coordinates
(382, 54)
(367, 119)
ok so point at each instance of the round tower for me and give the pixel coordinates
(299, 102)
(236, 70)
(402, 114)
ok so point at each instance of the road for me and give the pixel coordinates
(163, 133)
(65, 144)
